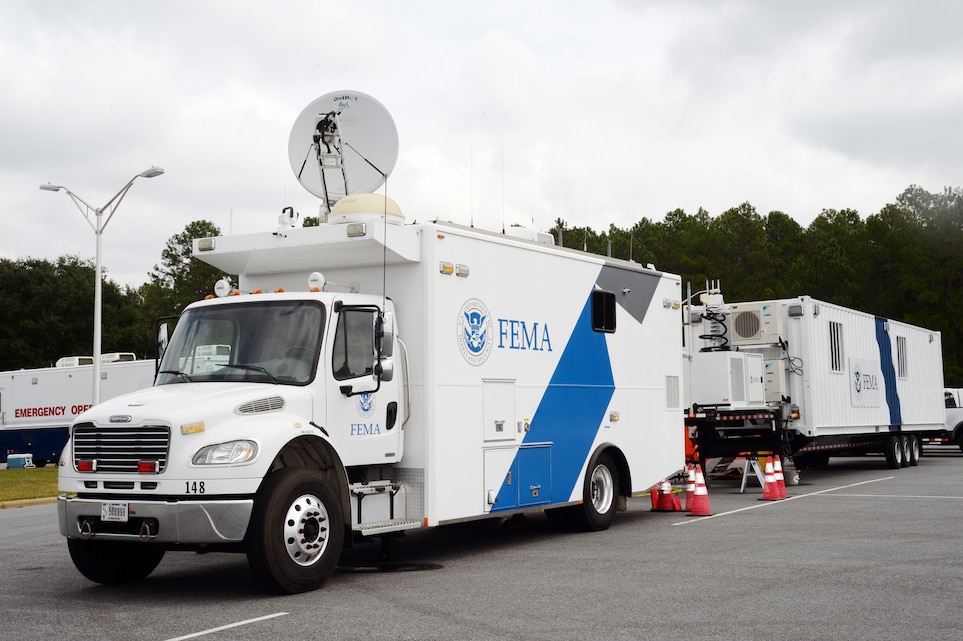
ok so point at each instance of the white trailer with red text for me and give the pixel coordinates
(38, 405)
(808, 380)
(377, 377)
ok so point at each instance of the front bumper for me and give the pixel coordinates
(175, 522)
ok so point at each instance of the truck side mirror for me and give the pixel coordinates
(387, 370)
(162, 340)
(384, 334)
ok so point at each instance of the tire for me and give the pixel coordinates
(296, 532)
(894, 452)
(914, 449)
(114, 562)
(599, 495)
(904, 443)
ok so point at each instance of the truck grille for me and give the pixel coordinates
(121, 449)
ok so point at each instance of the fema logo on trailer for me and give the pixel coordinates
(858, 380)
(475, 335)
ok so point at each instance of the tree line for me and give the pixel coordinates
(904, 262)
(48, 311)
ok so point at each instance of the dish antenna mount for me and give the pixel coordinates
(344, 142)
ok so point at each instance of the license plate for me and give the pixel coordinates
(116, 512)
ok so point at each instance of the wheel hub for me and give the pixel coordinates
(306, 530)
(603, 489)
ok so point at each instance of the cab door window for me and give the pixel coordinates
(353, 345)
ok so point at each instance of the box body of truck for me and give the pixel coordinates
(809, 379)
(513, 376)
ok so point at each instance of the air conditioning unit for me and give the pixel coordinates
(755, 323)
(727, 378)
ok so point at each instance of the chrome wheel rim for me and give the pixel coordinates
(306, 530)
(602, 489)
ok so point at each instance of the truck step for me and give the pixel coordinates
(369, 529)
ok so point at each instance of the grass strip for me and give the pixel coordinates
(28, 483)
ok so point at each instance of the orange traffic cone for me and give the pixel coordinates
(689, 487)
(665, 502)
(780, 479)
(700, 498)
(770, 491)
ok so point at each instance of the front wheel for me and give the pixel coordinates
(114, 562)
(296, 532)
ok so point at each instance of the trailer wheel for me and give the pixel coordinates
(913, 447)
(894, 452)
(599, 494)
(904, 443)
(114, 562)
(296, 532)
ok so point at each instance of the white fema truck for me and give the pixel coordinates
(808, 380)
(375, 377)
(38, 405)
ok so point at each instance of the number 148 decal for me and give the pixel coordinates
(194, 487)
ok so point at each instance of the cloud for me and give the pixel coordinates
(507, 112)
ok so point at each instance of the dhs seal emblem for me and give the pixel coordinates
(475, 335)
(366, 403)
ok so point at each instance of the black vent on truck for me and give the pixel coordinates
(121, 449)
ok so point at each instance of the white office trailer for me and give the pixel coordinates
(37, 405)
(808, 380)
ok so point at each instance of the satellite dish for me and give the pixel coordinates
(344, 142)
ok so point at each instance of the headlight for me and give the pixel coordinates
(226, 453)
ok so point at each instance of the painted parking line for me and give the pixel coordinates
(900, 496)
(228, 626)
(696, 519)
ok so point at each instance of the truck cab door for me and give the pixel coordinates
(365, 412)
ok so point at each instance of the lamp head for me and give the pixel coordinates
(50, 187)
(151, 172)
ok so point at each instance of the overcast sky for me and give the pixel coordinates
(507, 112)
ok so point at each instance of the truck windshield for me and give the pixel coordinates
(269, 342)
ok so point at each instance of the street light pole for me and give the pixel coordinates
(98, 223)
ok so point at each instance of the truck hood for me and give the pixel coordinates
(181, 403)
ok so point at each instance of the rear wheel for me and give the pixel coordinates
(894, 452)
(296, 531)
(114, 562)
(599, 494)
(904, 443)
(913, 448)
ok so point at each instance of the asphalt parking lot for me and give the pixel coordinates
(857, 552)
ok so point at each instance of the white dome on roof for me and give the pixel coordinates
(365, 206)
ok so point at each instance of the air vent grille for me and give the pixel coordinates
(261, 405)
(747, 324)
